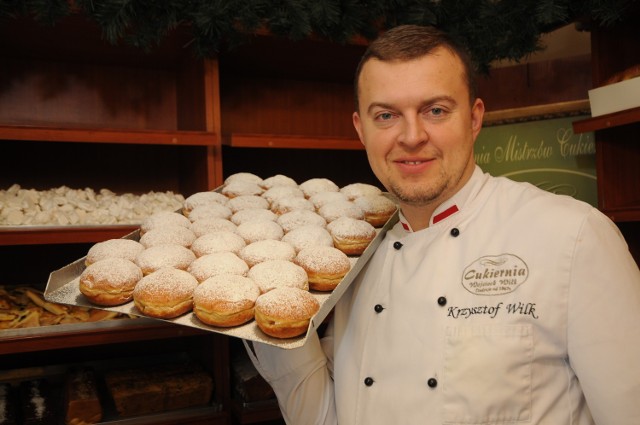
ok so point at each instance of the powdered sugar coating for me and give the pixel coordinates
(322, 198)
(290, 303)
(240, 187)
(258, 230)
(244, 177)
(267, 249)
(356, 190)
(160, 256)
(217, 263)
(351, 228)
(111, 273)
(214, 210)
(203, 198)
(278, 180)
(280, 192)
(162, 219)
(285, 205)
(218, 242)
(376, 204)
(323, 259)
(230, 289)
(337, 209)
(166, 285)
(278, 273)
(318, 185)
(245, 202)
(252, 214)
(210, 225)
(307, 236)
(114, 248)
(298, 218)
(168, 235)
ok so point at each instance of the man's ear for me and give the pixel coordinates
(357, 124)
(477, 114)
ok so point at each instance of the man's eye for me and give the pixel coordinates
(385, 116)
(437, 111)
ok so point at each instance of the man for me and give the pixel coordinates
(490, 302)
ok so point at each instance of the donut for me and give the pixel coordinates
(325, 266)
(306, 236)
(350, 235)
(210, 225)
(258, 230)
(378, 209)
(218, 242)
(298, 218)
(285, 205)
(285, 312)
(160, 256)
(267, 249)
(278, 180)
(279, 192)
(253, 214)
(322, 198)
(318, 185)
(244, 177)
(214, 210)
(110, 281)
(245, 202)
(168, 235)
(356, 190)
(163, 219)
(202, 198)
(239, 188)
(217, 263)
(225, 300)
(165, 294)
(336, 209)
(277, 273)
(114, 248)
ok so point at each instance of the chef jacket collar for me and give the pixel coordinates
(453, 204)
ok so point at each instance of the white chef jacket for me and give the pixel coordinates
(516, 307)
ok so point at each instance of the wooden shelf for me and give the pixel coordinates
(37, 235)
(91, 135)
(291, 142)
(615, 119)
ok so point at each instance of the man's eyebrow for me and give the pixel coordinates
(426, 102)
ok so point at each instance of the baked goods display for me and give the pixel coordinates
(285, 312)
(253, 237)
(40, 404)
(114, 248)
(377, 209)
(110, 281)
(82, 402)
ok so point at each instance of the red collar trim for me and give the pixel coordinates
(446, 213)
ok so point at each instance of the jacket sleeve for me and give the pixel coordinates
(604, 322)
(300, 378)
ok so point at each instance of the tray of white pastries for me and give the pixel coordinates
(264, 260)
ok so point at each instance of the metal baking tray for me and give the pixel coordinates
(63, 287)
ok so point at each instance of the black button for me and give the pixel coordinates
(378, 308)
(368, 381)
(397, 245)
(442, 301)
(455, 232)
(432, 382)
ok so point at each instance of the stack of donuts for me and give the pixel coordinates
(255, 249)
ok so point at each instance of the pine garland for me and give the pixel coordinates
(493, 29)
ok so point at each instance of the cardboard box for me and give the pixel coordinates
(615, 97)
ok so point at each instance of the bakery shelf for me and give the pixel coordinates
(37, 235)
(246, 140)
(88, 334)
(96, 135)
(615, 119)
(256, 412)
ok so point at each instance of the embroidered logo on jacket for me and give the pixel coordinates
(495, 274)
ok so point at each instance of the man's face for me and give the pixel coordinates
(418, 127)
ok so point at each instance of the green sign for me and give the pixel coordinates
(545, 153)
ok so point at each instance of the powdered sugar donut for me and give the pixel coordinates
(252, 214)
(278, 180)
(307, 236)
(246, 202)
(218, 242)
(325, 266)
(378, 209)
(244, 177)
(240, 188)
(225, 300)
(168, 235)
(285, 312)
(258, 230)
(318, 185)
(161, 256)
(163, 219)
(210, 225)
(285, 205)
(298, 218)
(278, 273)
(202, 198)
(337, 209)
(280, 192)
(267, 249)
(165, 294)
(217, 263)
(110, 281)
(350, 235)
(356, 190)
(214, 210)
(114, 248)
(322, 198)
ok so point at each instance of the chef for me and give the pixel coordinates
(489, 302)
